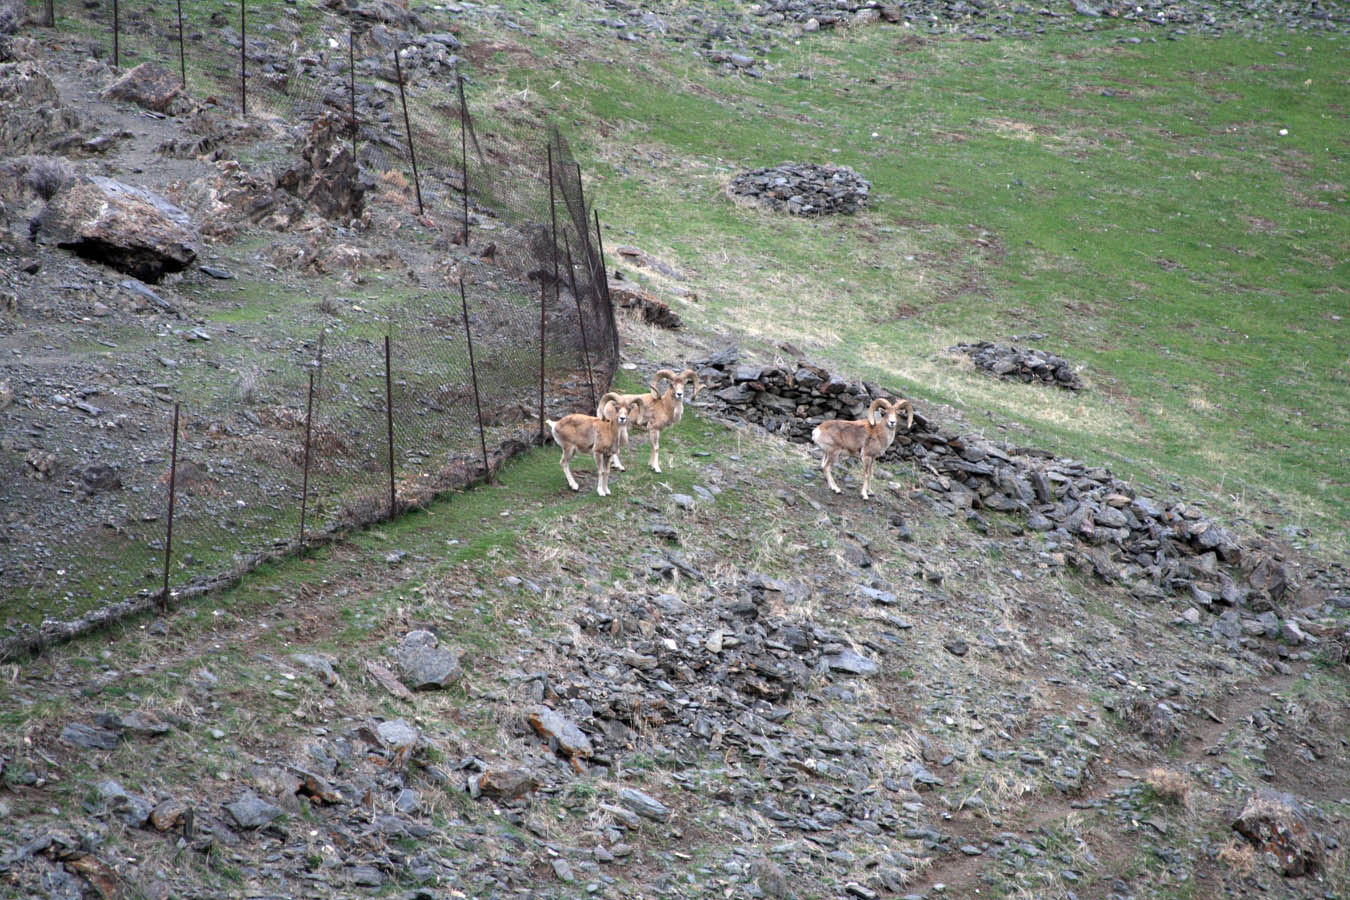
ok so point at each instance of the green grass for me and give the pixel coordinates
(1134, 202)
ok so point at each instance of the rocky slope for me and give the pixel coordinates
(724, 681)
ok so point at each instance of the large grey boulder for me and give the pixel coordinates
(134, 230)
(149, 85)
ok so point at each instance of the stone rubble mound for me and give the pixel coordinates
(1017, 364)
(1093, 520)
(804, 189)
(979, 16)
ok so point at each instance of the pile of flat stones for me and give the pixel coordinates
(1012, 16)
(804, 189)
(1017, 364)
(1091, 519)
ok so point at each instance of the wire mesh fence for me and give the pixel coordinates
(371, 414)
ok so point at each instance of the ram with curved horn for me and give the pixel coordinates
(637, 404)
(867, 438)
(661, 411)
(597, 435)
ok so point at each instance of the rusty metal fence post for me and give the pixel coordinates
(581, 318)
(553, 213)
(117, 37)
(463, 151)
(168, 536)
(182, 54)
(600, 252)
(543, 342)
(604, 281)
(389, 425)
(473, 373)
(304, 479)
(243, 61)
(412, 150)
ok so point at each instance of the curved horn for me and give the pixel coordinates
(611, 397)
(656, 379)
(909, 411)
(693, 376)
(872, 410)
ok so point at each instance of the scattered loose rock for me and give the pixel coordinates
(644, 805)
(251, 811)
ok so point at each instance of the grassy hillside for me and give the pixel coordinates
(724, 680)
(1172, 216)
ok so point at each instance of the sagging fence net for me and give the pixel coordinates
(373, 411)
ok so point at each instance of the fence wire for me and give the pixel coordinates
(297, 446)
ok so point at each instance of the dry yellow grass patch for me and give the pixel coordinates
(1011, 128)
(1200, 403)
(1169, 785)
(1239, 856)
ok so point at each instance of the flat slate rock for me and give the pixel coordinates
(89, 737)
(851, 662)
(644, 805)
(426, 665)
(251, 811)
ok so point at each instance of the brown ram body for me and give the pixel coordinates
(597, 435)
(864, 438)
(637, 404)
(660, 411)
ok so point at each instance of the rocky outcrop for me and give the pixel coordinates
(1094, 520)
(326, 175)
(33, 114)
(1017, 364)
(385, 12)
(653, 311)
(1276, 824)
(804, 189)
(11, 16)
(134, 230)
(148, 85)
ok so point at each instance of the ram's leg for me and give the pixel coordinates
(828, 467)
(567, 468)
(608, 469)
(622, 442)
(655, 461)
(867, 477)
